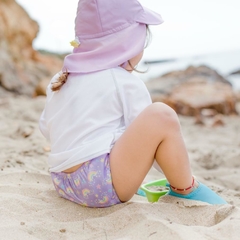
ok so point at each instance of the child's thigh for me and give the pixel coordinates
(133, 154)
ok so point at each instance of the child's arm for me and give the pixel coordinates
(134, 97)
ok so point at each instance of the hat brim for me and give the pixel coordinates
(149, 17)
(108, 51)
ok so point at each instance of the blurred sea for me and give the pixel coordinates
(223, 62)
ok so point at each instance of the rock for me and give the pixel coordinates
(235, 72)
(190, 97)
(40, 89)
(21, 67)
(208, 112)
(218, 121)
(164, 85)
(189, 92)
(199, 118)
(202, 71)
(25, 131)
(47, 149)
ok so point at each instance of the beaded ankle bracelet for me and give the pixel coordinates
(184, 189)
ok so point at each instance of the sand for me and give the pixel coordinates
(31, 209)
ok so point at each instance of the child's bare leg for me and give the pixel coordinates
(155, 133)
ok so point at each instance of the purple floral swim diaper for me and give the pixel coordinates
(90, 186)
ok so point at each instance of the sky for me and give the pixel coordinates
(191, 27)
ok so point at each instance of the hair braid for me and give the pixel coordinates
(60, 81)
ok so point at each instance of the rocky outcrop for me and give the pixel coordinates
(236, 72)
(190, 91)
(163, 86)
(21, 67)
(191, 97)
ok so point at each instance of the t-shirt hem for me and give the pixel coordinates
(66, 165)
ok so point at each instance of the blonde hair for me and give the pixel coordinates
(147, 43)
(56, 86)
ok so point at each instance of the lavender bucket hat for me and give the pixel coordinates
(108, 33)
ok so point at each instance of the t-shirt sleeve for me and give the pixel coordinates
(134, 97)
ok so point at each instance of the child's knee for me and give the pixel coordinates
(163, 113)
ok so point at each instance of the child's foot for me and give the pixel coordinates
(201, 193)
(141, 192)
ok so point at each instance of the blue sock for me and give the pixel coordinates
(202, 193)
(141, 192)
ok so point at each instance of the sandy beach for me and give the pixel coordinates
(31, 209)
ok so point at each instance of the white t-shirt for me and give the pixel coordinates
(90, 112)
